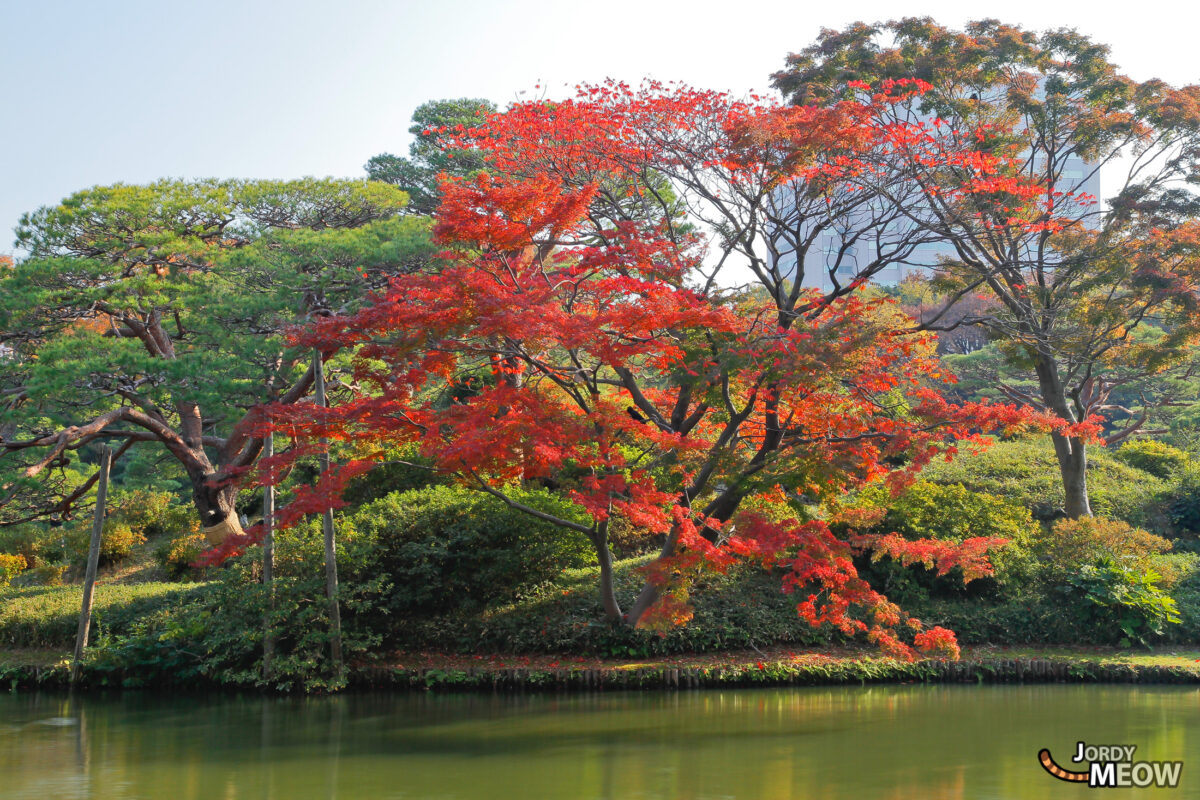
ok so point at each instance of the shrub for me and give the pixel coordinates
(39, 545)
(1182, 502)
(1029, 619)
(117, 540)
(1065, 615)
(444, 547)
(10, 567)
(1174, 567)
(1121, 597)
(147, 512)
(20, 540)
(400, 471)
(741, 609)
(1074, 543)
(216, 635)
(1025, 472)
(1187, 596)
(132, 517)
(298, 549)
(1149, 455)
(176, 553)
(949, 512)
(42, 575)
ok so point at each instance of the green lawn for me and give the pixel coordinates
(43, 617)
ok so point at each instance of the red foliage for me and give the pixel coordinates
(591, 354)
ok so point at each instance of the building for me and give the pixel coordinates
(834, 251)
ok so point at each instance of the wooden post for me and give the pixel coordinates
(268, 566)
(93, 562)
(331, 579)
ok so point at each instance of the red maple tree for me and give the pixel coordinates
(586, 316)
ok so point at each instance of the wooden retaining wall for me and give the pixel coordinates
(673, 678)
(776, 674)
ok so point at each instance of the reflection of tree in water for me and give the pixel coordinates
(885, 741)
(935, 785)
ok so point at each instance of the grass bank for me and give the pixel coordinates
(425, 671)
(48, 616)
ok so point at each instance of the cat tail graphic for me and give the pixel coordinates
(1057, 771)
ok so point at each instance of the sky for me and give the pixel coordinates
(132, 91)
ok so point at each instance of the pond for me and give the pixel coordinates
(927, 742)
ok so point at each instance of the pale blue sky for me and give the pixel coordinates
(129, 90)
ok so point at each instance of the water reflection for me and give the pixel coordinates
(887, 742)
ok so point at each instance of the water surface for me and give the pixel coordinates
(921, 742)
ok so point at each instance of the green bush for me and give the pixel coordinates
(10, 567)
(133, 516)
(38, 544)
(1121, 600)
(1056, 609)
(1149, 455)
(1033, 618)
(117, 540)
(948, 512)
(215, 635)
(1025, 472)
(1175, 567)
(147, 512)
(444, 547)
(1106, 575)
(301, 549)
(171, 634)
(1182, 502)
(435, 548)
(400, 471)
(1187, 596)
(742, 609)
(42, 575)
(176, 553)
(1074, 543)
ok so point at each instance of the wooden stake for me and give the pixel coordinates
(268, 566)
(331, 579)
(93, 563)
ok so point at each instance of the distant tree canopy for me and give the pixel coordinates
(155, 315)
(418, 173)
(1070, 278)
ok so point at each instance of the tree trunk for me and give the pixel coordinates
(721, 509)
(649, 593)
(331, 576)
(216, 506)
(1072, 466)
(93, 561)
(1070, 451)
(646, 598)
(608, 592)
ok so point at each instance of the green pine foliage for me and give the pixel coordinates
(174, 300)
